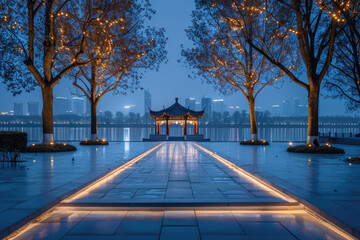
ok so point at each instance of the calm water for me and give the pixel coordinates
(214, 133)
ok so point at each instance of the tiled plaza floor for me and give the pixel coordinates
(45, 177)
(172, 225)
(326, 181)
(176, 172)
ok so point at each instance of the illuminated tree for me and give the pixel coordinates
(222, 56)
(315, 34)
(42, 40)
(345, 83)
(133, 49)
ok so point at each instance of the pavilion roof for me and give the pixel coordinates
(176, 110)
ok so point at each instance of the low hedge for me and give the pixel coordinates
(355, 160)
(11, 141)
(317, 150)
(56, 147)
(96, 142)
(254, 142)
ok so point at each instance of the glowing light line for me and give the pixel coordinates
(327, 223)
(109, 175)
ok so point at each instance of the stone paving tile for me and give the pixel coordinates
(69, 223)
(181, 218)
(178, 172)
(218, 223)
(325, 181)
(170, 225)
(179, 233)
(48, 176)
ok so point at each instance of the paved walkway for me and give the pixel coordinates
(47, 178)
(325, 181)
(177, 173)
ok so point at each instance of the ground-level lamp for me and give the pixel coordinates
(290, 144)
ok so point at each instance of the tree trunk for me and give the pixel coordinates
(94, 130)
(253, 126)
(47, 115)
(313, 114)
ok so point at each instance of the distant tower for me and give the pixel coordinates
(33, 108)
(18, 109)
(296, 106)
(78, 105)
(275, 110)
(87, 108)
(147, 101)
(286, 108)
(219, 105)
(62, 105)
(206, 104)
(190, 103)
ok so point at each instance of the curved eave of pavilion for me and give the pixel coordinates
(190, 113)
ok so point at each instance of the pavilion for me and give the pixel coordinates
(176, 114)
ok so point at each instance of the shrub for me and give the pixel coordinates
(43, 148)
(254, 142)
(96, 142)
(317, 150)
(11, 145)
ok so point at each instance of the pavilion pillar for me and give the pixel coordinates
(185, 129)
(167, 127)
(196, 129)
(156, 127)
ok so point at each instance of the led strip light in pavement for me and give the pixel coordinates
(268, 187)
(109, 176)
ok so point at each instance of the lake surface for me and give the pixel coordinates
(297, 133)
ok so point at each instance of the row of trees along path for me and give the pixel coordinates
(101, 45)
(247, 45)
(242, 45)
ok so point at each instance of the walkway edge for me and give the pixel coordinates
(331, 221)
(14, 228)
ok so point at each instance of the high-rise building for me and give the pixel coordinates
(296, 106)
(219, 105)
(275, 110)
(206, 104)
(33, 108)
(147, 101)
(198, 106)
(18, 109)
(62, 105)
(286, 108)
(78, 106)
(190, 103)
(87, 108)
